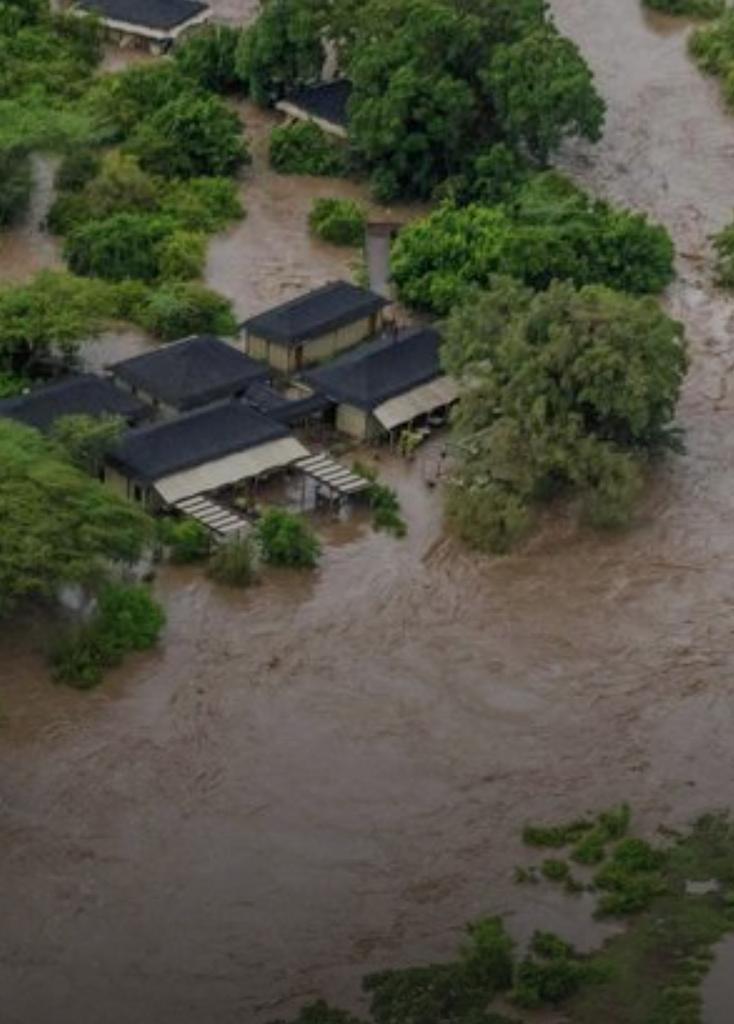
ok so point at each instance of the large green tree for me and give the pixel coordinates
(58, 525)
(563, 390)
(282, 49)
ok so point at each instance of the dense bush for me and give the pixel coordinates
(181, 256)
(550, 973)
(123, 246)
(202, 204)
(234, 563)
(186, 539)
(77, 168)
(208, 57)
(565, 392)
(286, 539)
(180, 309)
(724, 248)
(119, 185)
(120, 103)
(301, 147)
(339, 221)
(127, 619)
(86, 440)
(550, 231)
(190, 137)
(712, 46)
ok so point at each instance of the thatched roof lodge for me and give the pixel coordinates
(188, 374)
(325, 103)
(199, 453)
(156, 22)
(83, 395)
(387, 383)
(314, 327)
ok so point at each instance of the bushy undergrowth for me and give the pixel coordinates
(383, 500)
(287, 540)
(712, 47)
(339, 221)
(127, 619)
(234, 563)
(303, 148)
(186, 539)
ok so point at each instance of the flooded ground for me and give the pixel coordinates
(27, 248)
(327, 774)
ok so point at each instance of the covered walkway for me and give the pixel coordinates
(332, 474)
(215, 517)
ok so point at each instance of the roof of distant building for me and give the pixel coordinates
(191, 373)
(157, 451)
(286, 410)
(317, 313)
(381, 369)
(154, 14)
(326, 101)
(83, 395)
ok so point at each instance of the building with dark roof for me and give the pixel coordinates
(200, 452)
(159, 22)
(326, 103)
(189, 374)
(387, 383)
(314, 327)
(84, 395)
(288, 409)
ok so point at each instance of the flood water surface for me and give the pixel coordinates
(327, 774)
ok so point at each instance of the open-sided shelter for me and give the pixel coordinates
(387, 383)
(199, 453)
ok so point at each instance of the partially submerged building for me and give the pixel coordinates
(155, 23)
(189, 374)
(325, 103)
(314, 327)
(387, 383)
(199, 453)
(82, 395)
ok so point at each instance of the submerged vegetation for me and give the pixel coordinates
(688, 8)
(650, 973)
(712, 46)
(339, 221)
(303, 148)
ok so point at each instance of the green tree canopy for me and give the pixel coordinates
(548, 230)
(283, 48)
(59, 525)
(543, 90)
(209, 58)
(563, 390)
(86, 440)
(192, 136)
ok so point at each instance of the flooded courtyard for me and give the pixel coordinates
(327, 775)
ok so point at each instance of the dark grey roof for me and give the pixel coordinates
(191, 373)
(327, 100)
(381, 369)
(272, 403)
(193, 439)
(156, 14)
(312, 315)
(85, 395)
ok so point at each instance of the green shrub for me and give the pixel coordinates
(383, 501)
(126, 619)
(77, 168)
(303, 148)
(286, 539)
(188, 540)
(120, 247)
(555, 870)
(233, 563)
(339, 221)
(712, 46)
(180, 309)
(626, 891)
(16, 184)
(202, 204)
(637, 855)
(591, 848)
(12, 384)
(208, 57)
(549, 974)
(556, 836)
(181, 256)
(486, 957)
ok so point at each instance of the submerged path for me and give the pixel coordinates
(327, 775)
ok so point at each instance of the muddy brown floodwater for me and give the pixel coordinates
(327, 774)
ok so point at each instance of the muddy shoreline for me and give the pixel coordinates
(326, 776)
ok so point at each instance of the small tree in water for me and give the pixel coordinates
(286, 539)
